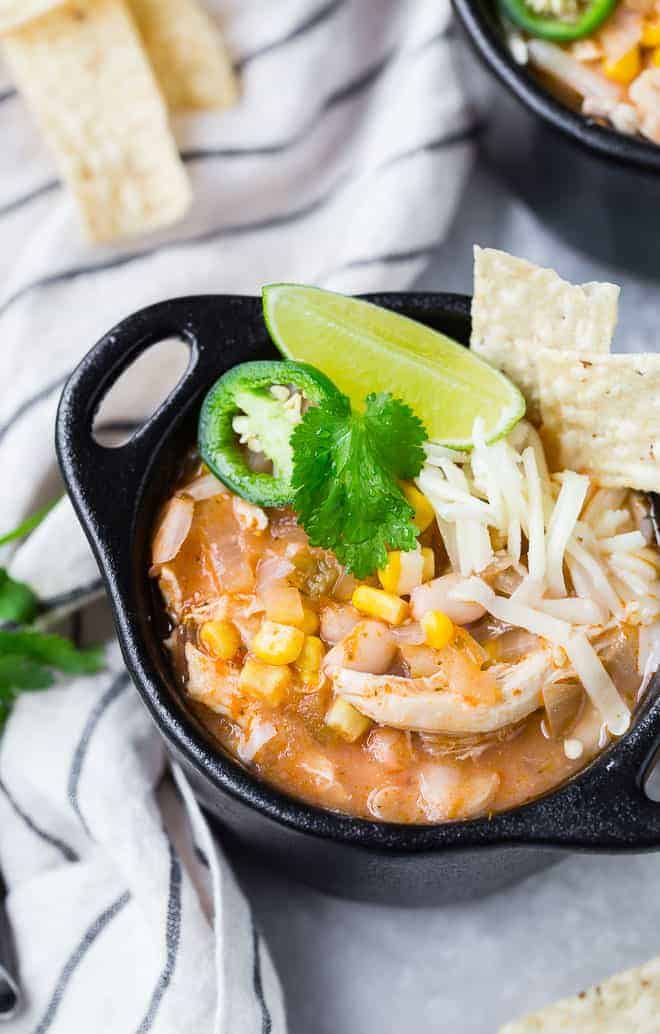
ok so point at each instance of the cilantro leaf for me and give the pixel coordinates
(51, 650)
(27, 656)
(18, 604)
(345, 478)
(29, 524)
(17, 674)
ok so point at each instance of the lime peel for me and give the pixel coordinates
(364, 348)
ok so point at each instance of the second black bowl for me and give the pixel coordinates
(597, 189)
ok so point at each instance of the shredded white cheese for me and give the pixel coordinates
(562, 524)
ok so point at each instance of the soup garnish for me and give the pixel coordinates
(420, 633)
(258, 404)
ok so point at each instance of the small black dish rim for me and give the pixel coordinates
(608, 143)
(603, 807)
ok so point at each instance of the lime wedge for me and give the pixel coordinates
(363, 347)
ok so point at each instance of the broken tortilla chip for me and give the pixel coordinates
(601, 416)
(188, 54)
(628, 1003)
(83, 70)
(519, 308)
(14, 13)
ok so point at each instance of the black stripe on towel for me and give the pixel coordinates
(67, 852)
(29, 403)
(32, 195)
(349, 91)
(73, 596)
(228, 231)
(172, 938)
(317, 17)
(257, 982)
(338, 96)
(6, 95)
(390, 258)
(76, 958)
(231, 230)
(438, 143)
(112, 692)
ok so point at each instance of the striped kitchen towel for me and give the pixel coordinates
(342, 166)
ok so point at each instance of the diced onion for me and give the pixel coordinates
(649, 654)
(562, 523)
(270, 570)
(205, 487)
(173, 529)
(258, 736)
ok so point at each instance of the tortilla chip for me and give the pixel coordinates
(601, 416)
(14, 13)
(628, 1003)
(519, 308)
(84, 72)
(187, 52)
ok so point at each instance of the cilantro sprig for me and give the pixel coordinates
(29, 658)
(346, 472)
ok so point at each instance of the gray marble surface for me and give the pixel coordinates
(361, 969)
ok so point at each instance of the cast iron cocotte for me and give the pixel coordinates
(116, 493)
(479, 21)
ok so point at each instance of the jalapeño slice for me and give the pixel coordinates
(559, 30)
(266, 419)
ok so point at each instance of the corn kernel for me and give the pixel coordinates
(379, 604)
(310, 657)
(310, 621)
(438, 629)
(627, 68)
(265, 681)
(277, 644)
(221, 639)
(390, 574)
(655, 57)
(346, 720)
(424, 512)
(428, 571)
(284, 604)
(651, 33)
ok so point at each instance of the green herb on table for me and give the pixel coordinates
(29, 658)
(18, 603)
(346, 472)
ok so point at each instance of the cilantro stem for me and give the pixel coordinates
(29, 524)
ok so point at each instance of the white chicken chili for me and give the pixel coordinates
(411, 625)
(453, 684)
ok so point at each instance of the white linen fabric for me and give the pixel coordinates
(341, 166)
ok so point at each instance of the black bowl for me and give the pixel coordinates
(597, 189)
(116, 493)
(478, 19)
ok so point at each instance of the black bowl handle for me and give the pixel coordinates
(104, 482)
